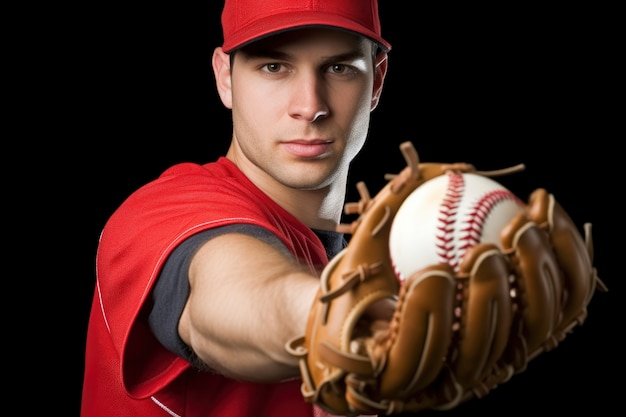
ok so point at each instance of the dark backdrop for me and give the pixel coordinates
(492, 87)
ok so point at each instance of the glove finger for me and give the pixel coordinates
(411, 357)
(538, 282)
(421, 331)
(574, 256)
(486, 314)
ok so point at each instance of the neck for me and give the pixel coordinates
(317, 208)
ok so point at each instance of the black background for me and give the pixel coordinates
(493, 87)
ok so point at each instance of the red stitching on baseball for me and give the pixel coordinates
(470, 232)
(448, 211)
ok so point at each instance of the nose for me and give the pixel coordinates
(308, 98)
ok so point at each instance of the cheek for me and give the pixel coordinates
(249, 108)
(355, 109)
(358, 128)
(255, 102)
(356, 99)
(255, 116)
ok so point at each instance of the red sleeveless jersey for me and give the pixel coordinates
(127, 371)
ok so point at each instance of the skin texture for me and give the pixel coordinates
(301, 104)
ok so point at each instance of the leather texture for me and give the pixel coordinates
(453, 335)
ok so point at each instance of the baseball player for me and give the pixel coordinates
(230, 289)
(205, 273)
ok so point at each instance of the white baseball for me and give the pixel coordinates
(444, 217)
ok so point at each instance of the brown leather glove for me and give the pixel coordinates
(452, 333)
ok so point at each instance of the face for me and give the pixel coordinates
(301, 104)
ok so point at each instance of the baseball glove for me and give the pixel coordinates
(451, 334)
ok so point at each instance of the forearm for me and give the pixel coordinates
(242, 311)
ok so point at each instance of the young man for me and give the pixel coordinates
(206, 272)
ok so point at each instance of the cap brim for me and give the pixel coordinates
(287, 21)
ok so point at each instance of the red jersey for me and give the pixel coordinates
(127, 371)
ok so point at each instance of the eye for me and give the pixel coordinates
(342, 70)
(272, 67)
(339, 68)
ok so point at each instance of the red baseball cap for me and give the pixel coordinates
(244, 21)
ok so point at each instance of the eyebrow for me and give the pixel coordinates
(282, 56)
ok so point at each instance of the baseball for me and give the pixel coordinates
(444, 217)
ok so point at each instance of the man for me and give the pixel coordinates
(206, 272)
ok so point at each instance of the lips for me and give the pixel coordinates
(308, 149)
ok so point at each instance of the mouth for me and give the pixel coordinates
(309, 149)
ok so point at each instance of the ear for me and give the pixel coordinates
(223, 80)
(380, 71)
